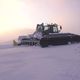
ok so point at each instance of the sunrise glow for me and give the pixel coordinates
(25, 14)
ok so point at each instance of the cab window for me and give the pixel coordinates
(55, 29)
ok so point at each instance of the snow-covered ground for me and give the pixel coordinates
(36, 63)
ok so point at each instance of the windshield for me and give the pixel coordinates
(39, 28)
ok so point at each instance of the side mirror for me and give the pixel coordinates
(60, 27)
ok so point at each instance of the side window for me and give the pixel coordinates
(55, 30)
(46, 28)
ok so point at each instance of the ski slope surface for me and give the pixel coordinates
(36, 63)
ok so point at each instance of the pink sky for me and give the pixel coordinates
(16, 15)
